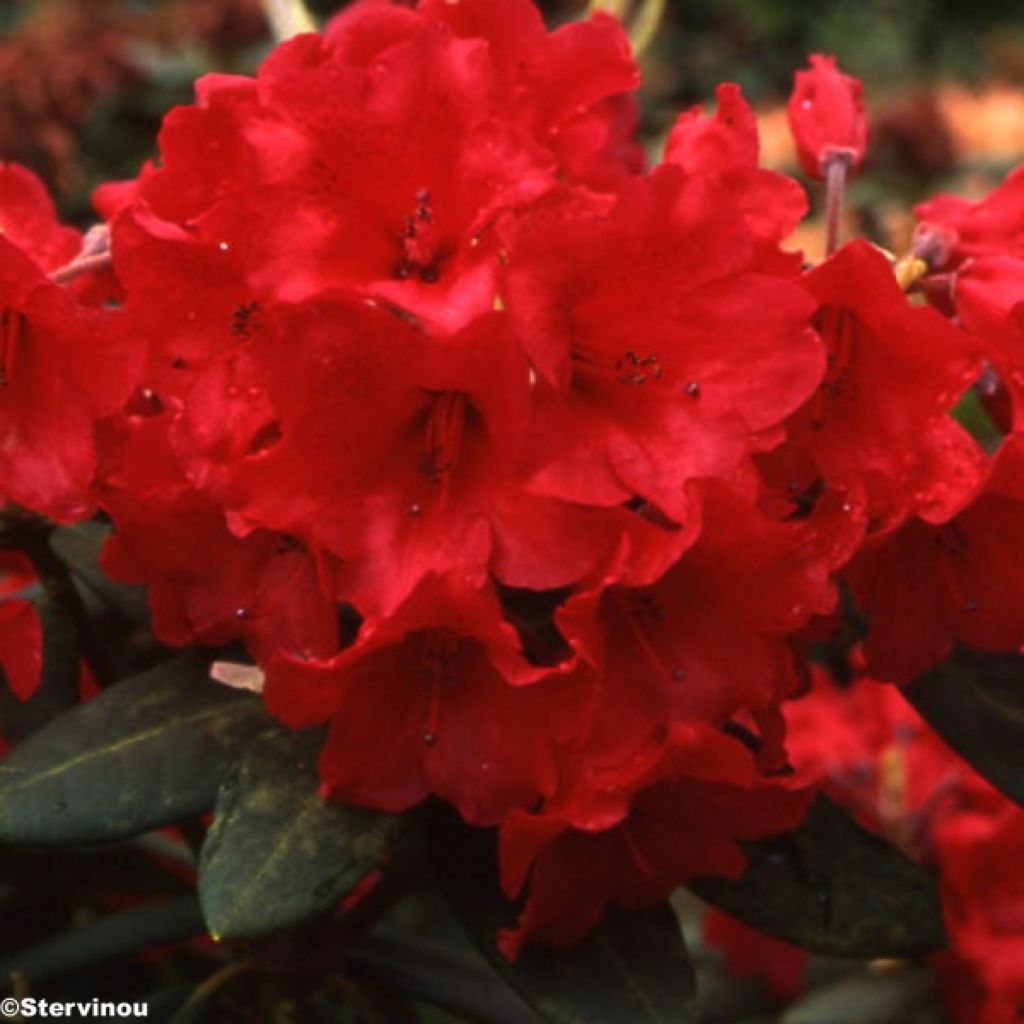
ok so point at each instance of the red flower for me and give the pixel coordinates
(973, 228)
(659, 346)
(975, 247)
(874, 754)
(931, 585)
(826, 117)
(206, 585)
(879, 424)
(709, 637)
(749, 952)
(407, 130)
(62, 366)
(725, 147)
(21, 646)
(29, 223)
(570, 90)
(637, 830)
(436, 699)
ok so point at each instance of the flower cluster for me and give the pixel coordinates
(532, 472)
(874, 754)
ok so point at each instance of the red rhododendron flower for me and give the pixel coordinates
(725, 147)
(21, 646)
(752, 953)
(708, 637)
(633, 831)
(975, 250)
(62, 366)
(206, 584)
(659, 345)
(928, 586)
(435, 699)
(826, 117)
(879, 423)
(571, 90)
(529, 475)
(875, 755)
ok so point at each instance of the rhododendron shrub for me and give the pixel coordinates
(514, 475)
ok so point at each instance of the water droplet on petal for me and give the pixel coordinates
(429, 738)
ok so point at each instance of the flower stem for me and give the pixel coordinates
(836, 165)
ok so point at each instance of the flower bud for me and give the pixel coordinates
(826, 117)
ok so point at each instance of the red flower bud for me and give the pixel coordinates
(826, 116)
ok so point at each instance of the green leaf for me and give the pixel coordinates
(107, 938)
(975, 702)
(278, 853)
(438, 971)
(632, 969)
(145, 753)
(79, 547)
(833, 888)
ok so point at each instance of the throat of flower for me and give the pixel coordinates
(421, 243)
(12, 331)
(631, 369)
(437, 653)
(443, 441)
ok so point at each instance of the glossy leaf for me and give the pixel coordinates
(146, 752)
(834, 888)
(278, 853)
(975, 702)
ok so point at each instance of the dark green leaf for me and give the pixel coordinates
(79, 547)
(833, 888)
(108, 938)
(144, 753)
(633, 969)
(441, 973)
(277, 852)
(975, 702)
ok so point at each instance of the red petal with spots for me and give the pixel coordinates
(660, 348)
(206, 585)
(420, 705)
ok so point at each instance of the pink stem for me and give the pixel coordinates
(835, 168)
